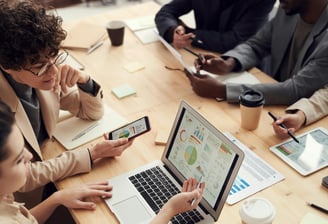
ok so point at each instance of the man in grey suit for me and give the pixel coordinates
(296, 39)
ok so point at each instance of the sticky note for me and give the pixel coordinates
(123, 91)
(133, 66)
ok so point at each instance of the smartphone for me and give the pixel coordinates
(131, 130)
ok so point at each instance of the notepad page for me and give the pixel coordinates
(67, 129)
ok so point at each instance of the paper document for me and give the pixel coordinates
(73, 132)
(234, 77)
(254, 175)
(147, 36)
(141, 23)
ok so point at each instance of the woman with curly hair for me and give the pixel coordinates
(36, 84)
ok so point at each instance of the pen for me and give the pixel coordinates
(197, 55)
(192, 38)
(191, 52)
(198, 186)
(79, 135)
(318, 207)
(94, 47)
(196, 40)
(284, 126)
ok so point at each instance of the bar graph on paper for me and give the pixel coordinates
(239, 185)
(254, 175)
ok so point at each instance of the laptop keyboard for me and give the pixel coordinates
(156, 188)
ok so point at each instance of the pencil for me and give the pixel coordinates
(284, 126)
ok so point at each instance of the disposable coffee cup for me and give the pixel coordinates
(115, 31)
(251, 105)
(257, 211)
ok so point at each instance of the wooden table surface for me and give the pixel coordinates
(159, 92)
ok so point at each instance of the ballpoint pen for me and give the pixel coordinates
(85, 131)
(96, 44)
(196, 40)
(284, 126)
(198, 186)
(94, 47)
(318, 207)
(191, 52)
(192, 38)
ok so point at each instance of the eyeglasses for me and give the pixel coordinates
(60, 58)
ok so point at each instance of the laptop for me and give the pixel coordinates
(195, 148)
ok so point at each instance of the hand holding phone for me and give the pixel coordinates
(131, 130)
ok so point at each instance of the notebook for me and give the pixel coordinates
(196, 149)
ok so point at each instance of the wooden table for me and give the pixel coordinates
(159, 92)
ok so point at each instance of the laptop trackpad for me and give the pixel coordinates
(131, 211)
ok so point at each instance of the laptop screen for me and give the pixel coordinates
(197, 149)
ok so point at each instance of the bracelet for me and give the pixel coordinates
(91, 161)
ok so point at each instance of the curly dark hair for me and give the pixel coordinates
(28, 33)
(6, 125)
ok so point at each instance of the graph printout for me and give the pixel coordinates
(254, 175)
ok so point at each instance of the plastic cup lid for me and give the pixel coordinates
(251, 98)
(257, 211)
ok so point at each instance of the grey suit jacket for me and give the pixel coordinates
(310, 72)
(314, 107)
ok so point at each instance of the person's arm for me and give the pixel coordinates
(73, 162)
(167, 18)
(292, 121)
(246, 18)
(314, 108)
(181, 202)
(80, 95)
(67, 164)
(251, 52)
(71, 198)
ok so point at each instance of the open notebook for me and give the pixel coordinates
(195, 149)
(72, 132)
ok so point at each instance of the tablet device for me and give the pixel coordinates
(308, 156)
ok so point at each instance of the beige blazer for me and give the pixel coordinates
(13, 212)
(40, 173)
(76, 101)
(314, 107)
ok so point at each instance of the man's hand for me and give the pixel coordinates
(214, 64)
(181, 39)
(207, 86)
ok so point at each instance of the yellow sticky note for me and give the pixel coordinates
(123, 91)
(134, 66)
(311, 218)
